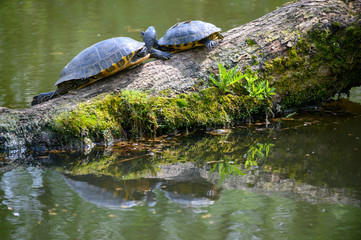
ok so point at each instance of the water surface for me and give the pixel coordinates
(298, 178)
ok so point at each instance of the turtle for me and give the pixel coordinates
(101, 60)
(189, 34)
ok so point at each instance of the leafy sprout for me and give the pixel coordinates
(260, 90)
(226, 77)
(255, 88)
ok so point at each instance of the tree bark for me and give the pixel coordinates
(255, 45)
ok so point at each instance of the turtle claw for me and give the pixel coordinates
(155, 53)
(209, 43)
(166, 55)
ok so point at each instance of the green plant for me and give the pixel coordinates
(255, 88)
(260, 90)
(268, 91)
(225, 78)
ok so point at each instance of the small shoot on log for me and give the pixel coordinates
(225, 78)
(255, 88)
(229, 80)
(260, 90)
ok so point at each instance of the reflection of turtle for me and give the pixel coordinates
(189, 34)
(103, 59)
(106, 191)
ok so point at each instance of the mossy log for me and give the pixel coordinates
(309, 50)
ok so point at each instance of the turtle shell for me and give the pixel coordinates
(98, 61)
(185, 34)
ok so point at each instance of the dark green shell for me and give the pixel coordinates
(187, 32)
(98, 61)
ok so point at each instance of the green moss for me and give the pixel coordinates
(317, 67)
(350, 31)
(336, 25)
(208, 108)
(90, 119)
(250, 42)
(130, 114)
(254, 60)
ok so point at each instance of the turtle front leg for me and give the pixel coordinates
(209, 43)
(155, 53)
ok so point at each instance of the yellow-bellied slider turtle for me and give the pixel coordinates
(101, 60)
(189, 34)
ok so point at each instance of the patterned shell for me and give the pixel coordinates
(188, 32)
(100, 60)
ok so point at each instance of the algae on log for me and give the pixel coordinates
(309, 50)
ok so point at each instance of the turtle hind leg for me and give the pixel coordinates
(154, 53)
(43, 97)
(209, 43)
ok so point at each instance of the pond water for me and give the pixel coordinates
(297, 178)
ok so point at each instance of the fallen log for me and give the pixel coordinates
(309, 50)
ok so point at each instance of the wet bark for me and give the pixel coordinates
(264, 39)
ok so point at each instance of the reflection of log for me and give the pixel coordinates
(106, 191)
(278, 44)
(265, 183)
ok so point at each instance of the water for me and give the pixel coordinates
(54, 210)
(298, 178)
(38, 38)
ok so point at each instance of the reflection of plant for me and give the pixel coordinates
(226, 168)
(257, 152)
(225, 78)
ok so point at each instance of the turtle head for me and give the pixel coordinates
(42, 97)
(149, 38)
